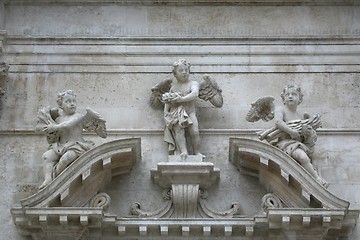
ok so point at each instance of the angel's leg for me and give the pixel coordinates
(65, 161)
(50, 158)
(194, 133)
(180, 140)
(300, 156)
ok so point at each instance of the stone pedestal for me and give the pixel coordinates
(185, 179)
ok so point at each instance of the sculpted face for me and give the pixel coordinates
(181, 72)
(292, 97)
(69, 104)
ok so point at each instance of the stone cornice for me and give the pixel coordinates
(194, 2)
(136, 55)
(134, 40)
(252, 132)
(33, 220)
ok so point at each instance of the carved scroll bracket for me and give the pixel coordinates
(270, 201)
(164, 212)
(185, 180)
(207, 212)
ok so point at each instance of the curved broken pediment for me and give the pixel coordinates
(73, 206)
(282, 175)
(87, 175)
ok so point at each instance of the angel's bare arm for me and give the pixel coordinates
(192, 95)
(166, 108)
(91, 114)
(281, 124)
(74, 121)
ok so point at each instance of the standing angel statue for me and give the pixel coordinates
(63, 127)
(179, 99)
(294, 132)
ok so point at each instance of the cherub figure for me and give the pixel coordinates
(179, 107)
(294, 131)
(63, 127)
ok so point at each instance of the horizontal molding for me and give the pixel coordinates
(327, 131)
(169, 49)
(192, 2)
(209, 59)
(144, 69)
(175, 40)
(155, 55)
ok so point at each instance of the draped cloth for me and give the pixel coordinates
(78, 147)
(290, 145)
(175, 117)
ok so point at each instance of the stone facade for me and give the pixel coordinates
(111, 53)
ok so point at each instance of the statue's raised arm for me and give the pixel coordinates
(63, 127)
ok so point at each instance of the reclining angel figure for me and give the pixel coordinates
(63, 127)
(179, 99)
(294, 132)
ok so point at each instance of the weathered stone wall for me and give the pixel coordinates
(184, 20)
(111, 54)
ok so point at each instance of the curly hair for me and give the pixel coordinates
(296, 88)
(181, 62)
(61, 95)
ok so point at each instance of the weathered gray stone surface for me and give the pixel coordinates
(112, 54)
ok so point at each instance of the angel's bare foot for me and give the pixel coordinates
(183, 156)
(44, 184)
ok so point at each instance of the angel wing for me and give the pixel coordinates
(94, 122)
(158, 90)
(210, 91)
(47, 115)
(262, 109)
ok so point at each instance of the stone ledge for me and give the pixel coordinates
(202, 173)
(193, 2)
(317, 221)
(203, 40)
(252, 132)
